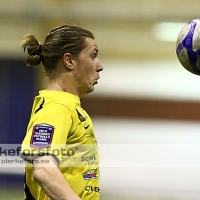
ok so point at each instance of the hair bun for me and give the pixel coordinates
(34, 50)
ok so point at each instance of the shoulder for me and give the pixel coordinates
(60, 99)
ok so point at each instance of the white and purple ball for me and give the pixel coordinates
(188, 46)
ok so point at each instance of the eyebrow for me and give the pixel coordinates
(95, 49)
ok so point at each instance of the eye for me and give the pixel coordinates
(94, 55)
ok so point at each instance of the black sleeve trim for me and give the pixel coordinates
(31, 157)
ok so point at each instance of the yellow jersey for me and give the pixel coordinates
(61, 128)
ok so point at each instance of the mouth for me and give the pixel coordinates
(96, 81)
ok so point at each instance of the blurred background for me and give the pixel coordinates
(145, 109)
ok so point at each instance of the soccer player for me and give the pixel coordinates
(60, 146)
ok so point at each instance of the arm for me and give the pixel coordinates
(49, 177)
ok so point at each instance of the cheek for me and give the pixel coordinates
(86, 69)
(89, 70)
(83, 75)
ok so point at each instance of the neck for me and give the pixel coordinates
(59, 85)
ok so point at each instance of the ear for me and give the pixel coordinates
(67, 58)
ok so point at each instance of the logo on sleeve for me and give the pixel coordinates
(42, 136)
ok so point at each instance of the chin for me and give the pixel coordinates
(89, 90)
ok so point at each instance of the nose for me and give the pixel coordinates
(99, 67)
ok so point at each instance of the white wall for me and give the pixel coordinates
(144, 159)
(148, 79)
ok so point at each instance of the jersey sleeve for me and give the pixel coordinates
(47, 133)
